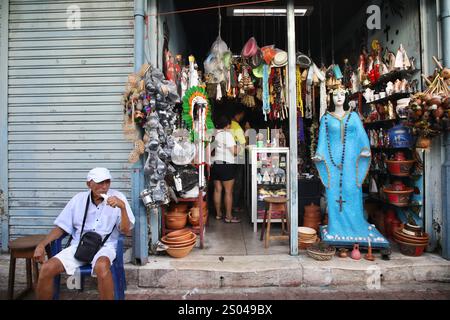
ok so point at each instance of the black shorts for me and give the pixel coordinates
(223, 171)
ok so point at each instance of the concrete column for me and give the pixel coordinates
(293, 181)
(140, 232)
(445, 27)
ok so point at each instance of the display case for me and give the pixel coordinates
(268, 176)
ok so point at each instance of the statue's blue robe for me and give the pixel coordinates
(349, 225)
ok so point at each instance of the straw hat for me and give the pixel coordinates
(250, 48)
(280, 59)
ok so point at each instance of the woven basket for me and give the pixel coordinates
(320, 256)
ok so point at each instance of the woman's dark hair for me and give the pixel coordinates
(222, 122)
(332, 107)
(238, 108)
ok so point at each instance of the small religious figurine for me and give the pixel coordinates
(343, 159)
(362, 64)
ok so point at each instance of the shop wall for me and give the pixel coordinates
(403, 30)
(177, 37)
(3, 117)
(64, 104)
(434, 158)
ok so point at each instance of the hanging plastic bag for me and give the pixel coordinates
(219, 47)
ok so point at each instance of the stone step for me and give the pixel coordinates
(214, 272)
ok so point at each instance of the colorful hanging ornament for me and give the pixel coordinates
(298, 76)
(193, 96)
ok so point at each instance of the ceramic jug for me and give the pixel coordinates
(356, 255)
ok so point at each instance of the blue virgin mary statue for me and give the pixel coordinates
(343, 159)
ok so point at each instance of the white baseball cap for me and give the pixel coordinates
(99, 175)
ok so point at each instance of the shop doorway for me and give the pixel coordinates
(329, 35)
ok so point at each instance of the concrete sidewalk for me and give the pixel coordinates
(210, 272)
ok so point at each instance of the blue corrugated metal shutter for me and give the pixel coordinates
(1, 106)
(64, 93)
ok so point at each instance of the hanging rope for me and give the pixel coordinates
(220, 22)
(332, 31)
(322, 62)
(309, 36)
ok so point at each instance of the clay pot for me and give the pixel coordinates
(195, 213)
(312, 210)
(196, 221)
(179, 207)
(399, 156)
(399, 198)
(313, 223)
(176, 221)
(343, 253)
(356, 254)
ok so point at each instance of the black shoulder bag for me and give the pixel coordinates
(90, 242)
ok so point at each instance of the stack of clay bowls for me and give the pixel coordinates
(412, 241)
(180, 242)
(306, 237)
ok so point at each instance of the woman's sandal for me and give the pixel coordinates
(218, 217)
(233, 220)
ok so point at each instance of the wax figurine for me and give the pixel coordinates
(343, 159)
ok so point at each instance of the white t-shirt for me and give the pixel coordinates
(224, 141)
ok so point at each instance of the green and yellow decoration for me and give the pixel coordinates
(196, 95)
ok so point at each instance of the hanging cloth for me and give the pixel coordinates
(308, 106)
(301, 129)
(299, 91)
(266, 101)
(323, 90)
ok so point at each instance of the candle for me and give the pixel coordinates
(268, 135)
(369, 240)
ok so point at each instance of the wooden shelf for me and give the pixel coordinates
(379, 123)
(395, 96)
(394, 75)
(411, 204)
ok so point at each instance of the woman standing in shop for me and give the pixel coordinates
(223, 170)
(239, 138)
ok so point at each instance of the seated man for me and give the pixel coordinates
(105, 216)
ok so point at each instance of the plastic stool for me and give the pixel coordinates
(274, 205)
(24, 248)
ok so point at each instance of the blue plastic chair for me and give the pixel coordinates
(117, 270)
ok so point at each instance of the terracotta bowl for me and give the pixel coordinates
(179, 240)
(306, 231)
(180, 252)
(177, 233)
(400, 239)
(399, 233)
(182, 245)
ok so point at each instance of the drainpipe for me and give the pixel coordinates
(445, 27)
(140, 233)
(293, 181)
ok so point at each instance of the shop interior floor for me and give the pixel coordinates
(239, 239)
